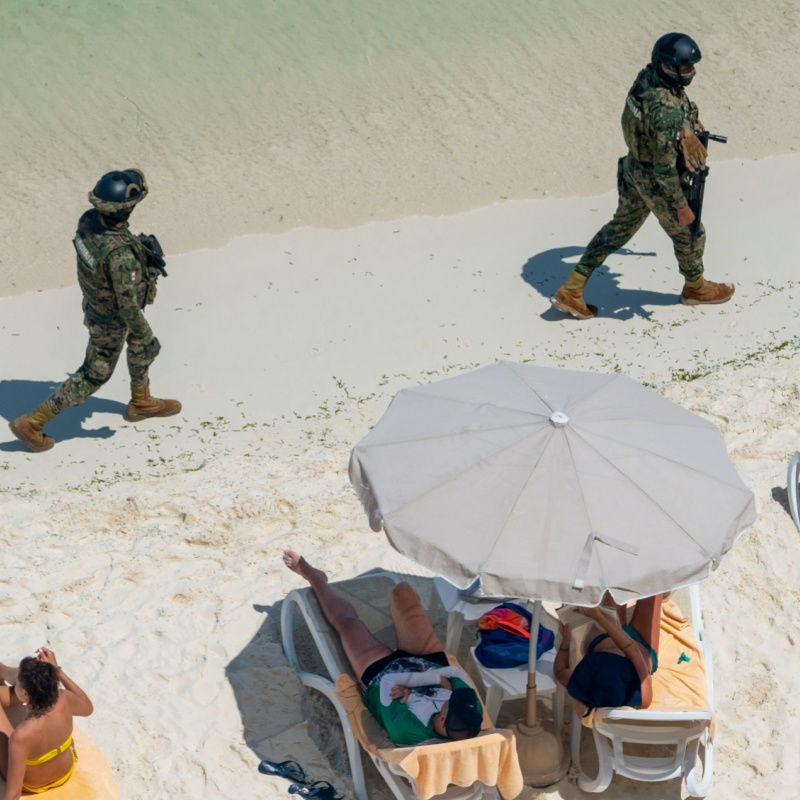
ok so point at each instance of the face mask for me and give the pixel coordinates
(674, 77)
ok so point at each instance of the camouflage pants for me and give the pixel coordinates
(102, 353)
(638, 197)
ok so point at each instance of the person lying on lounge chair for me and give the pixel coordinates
(618, 661)
(37, 752)
(413, 691)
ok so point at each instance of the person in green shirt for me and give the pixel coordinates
(412, 691)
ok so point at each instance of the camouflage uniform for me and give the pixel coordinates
(117, 283)
(649, 177)
(117, 272)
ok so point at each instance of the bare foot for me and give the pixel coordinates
(298, 564)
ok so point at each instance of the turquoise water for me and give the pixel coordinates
(260, 116)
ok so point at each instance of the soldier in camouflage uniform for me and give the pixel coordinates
(117, 273)
(659, 123)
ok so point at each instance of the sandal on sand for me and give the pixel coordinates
(320, 790)
(290, 770)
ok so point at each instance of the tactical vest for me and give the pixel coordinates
(94, 244)
(638, 126)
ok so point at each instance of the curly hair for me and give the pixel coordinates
(40, 680)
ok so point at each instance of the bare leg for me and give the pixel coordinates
(8, 674)
(4, 755)
(646, 619)
(5, 724)
(414, 630)
(361, 647)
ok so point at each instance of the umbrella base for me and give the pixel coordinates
(542, 757)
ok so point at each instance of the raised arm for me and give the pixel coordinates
(79, 703)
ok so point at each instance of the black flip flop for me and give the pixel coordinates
(290, 770)
(319, 790)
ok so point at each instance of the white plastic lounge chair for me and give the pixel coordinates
(399, 766)
(674, 736)
(792, 488)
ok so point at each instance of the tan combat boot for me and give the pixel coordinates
(569, 298)
(28, 428)
(702, 292)
(142, 405)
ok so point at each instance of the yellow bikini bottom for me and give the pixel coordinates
(34, 762)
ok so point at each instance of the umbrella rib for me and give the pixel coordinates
(639, 488)
(429, 394)
(470, 468)
(432, 437)
(645, 449)
(583, 398)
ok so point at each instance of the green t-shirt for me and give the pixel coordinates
(409, 723)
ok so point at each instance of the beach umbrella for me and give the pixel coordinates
(551, 484)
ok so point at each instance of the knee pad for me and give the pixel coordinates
(96, 373)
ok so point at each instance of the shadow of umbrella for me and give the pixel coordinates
(19, 396)
(546, 272)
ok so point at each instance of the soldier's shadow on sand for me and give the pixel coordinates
(19, 396)
(547, 271)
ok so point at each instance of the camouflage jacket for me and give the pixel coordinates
(652, 120)
(113, 275)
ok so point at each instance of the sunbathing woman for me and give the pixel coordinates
(412, 691)
(37, 752)
(618, 662)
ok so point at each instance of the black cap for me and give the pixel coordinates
(464, 714)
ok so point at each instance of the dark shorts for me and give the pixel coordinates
(439, 657)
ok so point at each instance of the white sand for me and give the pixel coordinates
(147, 555)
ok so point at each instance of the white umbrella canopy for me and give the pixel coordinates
(551, 484)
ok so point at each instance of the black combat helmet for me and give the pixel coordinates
(116, 193)
(675, 50)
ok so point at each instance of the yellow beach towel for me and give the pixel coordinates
(490, 757)
(679, 683)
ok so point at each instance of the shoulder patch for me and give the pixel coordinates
(83, 251)
(634, 106)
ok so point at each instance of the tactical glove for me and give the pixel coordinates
(694, 154)
(685, 215)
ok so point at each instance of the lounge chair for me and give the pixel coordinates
(674, 736)
(792, 488)
(411, 773)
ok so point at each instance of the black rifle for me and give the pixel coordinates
(155, 253)
(695, 185)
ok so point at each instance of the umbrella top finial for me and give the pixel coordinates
(559, 419)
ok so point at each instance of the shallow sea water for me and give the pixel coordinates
(250, 116)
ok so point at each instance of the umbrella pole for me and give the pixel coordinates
(542, 758)
(530, 695)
